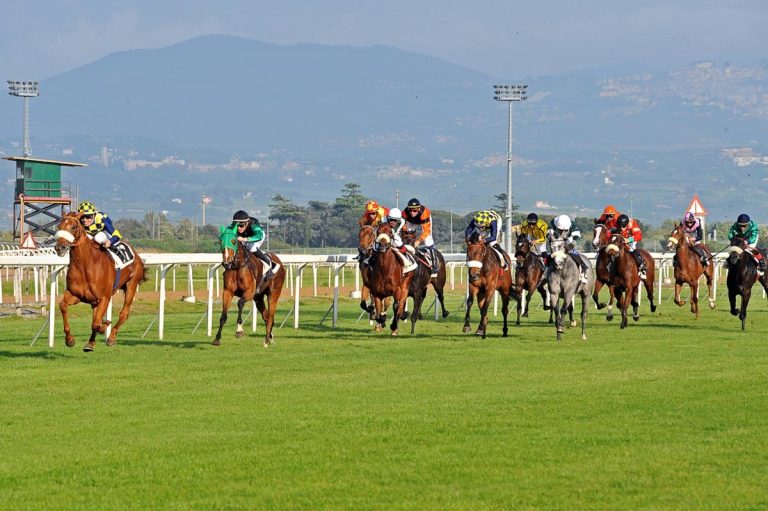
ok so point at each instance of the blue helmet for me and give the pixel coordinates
(743, 219)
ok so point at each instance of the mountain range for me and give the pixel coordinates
(308, 118)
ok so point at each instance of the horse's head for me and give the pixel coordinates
(365, 238)
(476, 251)
(676, 237)
(599, 236)
(409, 237)
(558, 259)
(615, 245)
(70, 233)
(522, 245)
(230, 247)
(383, 237)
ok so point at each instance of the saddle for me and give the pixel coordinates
(407, 260)
(122, 254)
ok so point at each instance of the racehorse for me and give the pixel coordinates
(564, 281)
(93, 279)
(244, 278)
(625, 277)
(529, 276)
(742, 274)
(423, 276)
(600, 236)
(366, 238)
(387, 279)
(485, 278)
(689, 268)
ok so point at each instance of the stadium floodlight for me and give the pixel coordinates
(25, 89)
(510, 94)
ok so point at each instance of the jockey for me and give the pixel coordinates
(250, 233)
(98, 225)
(417, 215)
(746, 229)
(487, 221)
(561, 235)
(631, 232)
(608, 218)
(694, 232)
(373, 215)
(536, 230)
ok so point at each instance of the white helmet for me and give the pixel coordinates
(395, 214)
(563, 222)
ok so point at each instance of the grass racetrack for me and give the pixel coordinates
(667, 414)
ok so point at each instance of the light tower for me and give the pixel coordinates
(26, 90)
(510, 94)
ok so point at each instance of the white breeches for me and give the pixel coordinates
(101, 237)
(253, 246)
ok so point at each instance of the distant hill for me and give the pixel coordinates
(318, 116)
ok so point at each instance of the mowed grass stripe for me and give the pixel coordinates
(667, 414)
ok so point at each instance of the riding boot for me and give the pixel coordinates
(641, 267)
(435, 262)
(582, 267)
(702, 256)
(360, 255)
(271, 265)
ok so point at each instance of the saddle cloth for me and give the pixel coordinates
(409, 264)
(122, 255)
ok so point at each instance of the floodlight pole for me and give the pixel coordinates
(26, 90)
(509, 93)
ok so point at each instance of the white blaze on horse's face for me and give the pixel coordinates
(672, 243)
(64, 240)
(559, 259)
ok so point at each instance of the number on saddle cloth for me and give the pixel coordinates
(122, 254)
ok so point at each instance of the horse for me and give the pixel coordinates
(485, 278)
(366, 238)
(689, 268)
(742, 274)
(625, 277)
(529, 276)
(93, 279)
(563, 279)
(387, 279)
(243, 277)
(600, 236)
(423, 277)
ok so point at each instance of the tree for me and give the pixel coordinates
(501, 204)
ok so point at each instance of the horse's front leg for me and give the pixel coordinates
(467, 327)
(98, 325)
(519, 308)
(635, 303)
(379, 310)
(66, 300)
(744, 302)
(558, 312)
(626, 298)
(584, 307)
(226, 298)
(596, 294)
(695, 298)
(504, 312)
(678, 289)
(239, 332)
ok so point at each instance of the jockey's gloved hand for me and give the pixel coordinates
(576, 235)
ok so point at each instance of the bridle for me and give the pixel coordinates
(72, 239)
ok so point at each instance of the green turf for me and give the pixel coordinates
(667, 414)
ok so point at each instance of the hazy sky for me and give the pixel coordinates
(507, 39)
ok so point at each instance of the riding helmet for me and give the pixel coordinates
(86, 208)
(395, 214)
(371, 205)
(483, 218)
(689, 218)
(563, 222)
(609, 210)
(414, 203)
(533, 218)
(622, 221)
(241, 217)
(743, 219)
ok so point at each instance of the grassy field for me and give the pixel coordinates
(668, 414)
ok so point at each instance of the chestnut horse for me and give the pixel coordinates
(529, 277)
(742, 274)
(423, 277)
(387, 279)
(600, 235)
(625, 278)
(243, 277)
(485, 278)
(93, 279)
(689, 268)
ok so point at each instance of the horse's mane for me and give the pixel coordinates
(474, 237)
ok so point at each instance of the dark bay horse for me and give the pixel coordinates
(243, 277)
(601, 234)
(689, 268)
(422, 277)
(387, 279)
(564, 281)
(93, 279)
(366, 238)
(529, 276)
(625, 278)
(742, 274)
(485, 278)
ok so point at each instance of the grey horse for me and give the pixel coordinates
(563, 281)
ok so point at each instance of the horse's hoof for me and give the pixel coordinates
(405, 315)
(680, 303)
(546, 307)
(394, 333)
(377, 328)
(69, 342)
(609, 318)
(653, 307)
(419, 317)
(216, 342)
(635, 318)
(239, 334)
(445, 314)
(87, 348)
(111, 342)
(573, 323)
(600, 306)
(266, 344)
(560, 330)
(525, 314)
(734, 312)
(712, 305)
(466, 329)
(480, 332)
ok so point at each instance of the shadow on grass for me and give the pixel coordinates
(30, 354)
(163, 344)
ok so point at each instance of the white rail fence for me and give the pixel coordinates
(43, 267)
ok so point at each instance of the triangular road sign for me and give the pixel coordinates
(29, 242)
(696, 207)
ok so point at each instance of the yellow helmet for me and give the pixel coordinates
(371, 205)
(86, 208)
(483, 218)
